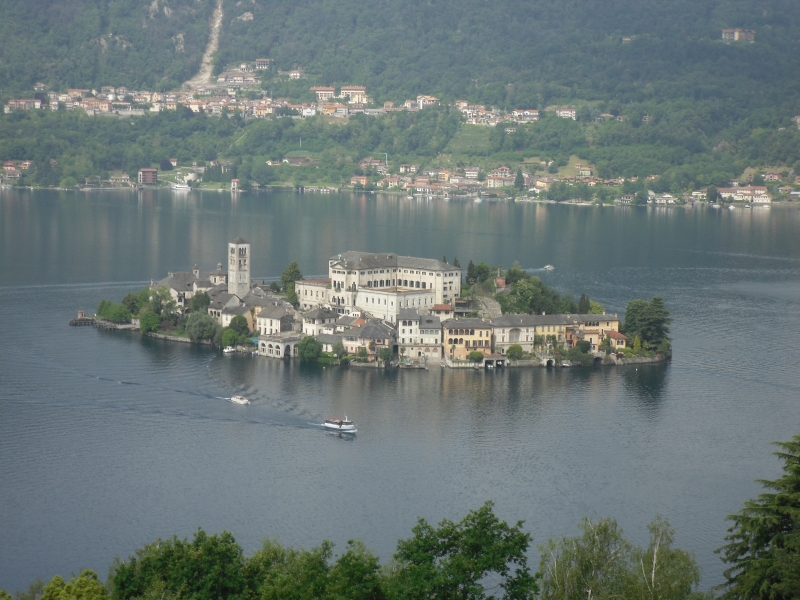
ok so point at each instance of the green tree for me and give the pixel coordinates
(763, 549)
(239, 325)
(309, 349)
(602, 564)
(338, 349)
(356, 575)
(362, 352)
(288, 277)
(475, 356)
(453, 560)
(637, 345)
(149, 321)
(165, 165)
(470, 273)
(134, 301)
(385, 354)
(87, 586)
(4, 595)
(482, 272)
(201, 326)
(34, 591)
(276, 572)
(229, 337)
(208, 567)
(583, 305)
(712, 194)
(199, 302)
(514, 352)
(519, 180)
(595, 308)
(648, 320)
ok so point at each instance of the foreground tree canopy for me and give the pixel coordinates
(763, 548)
(478, 557)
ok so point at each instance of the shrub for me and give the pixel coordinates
(475, 356)
(514, 352)
(149, 321)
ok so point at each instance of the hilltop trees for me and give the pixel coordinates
(763, 548)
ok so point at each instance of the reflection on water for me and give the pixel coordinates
(109, 440)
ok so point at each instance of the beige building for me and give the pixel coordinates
(381, 284)
(528, 331)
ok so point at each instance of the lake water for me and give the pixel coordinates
(109, 440)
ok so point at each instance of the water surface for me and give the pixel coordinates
(109, 440)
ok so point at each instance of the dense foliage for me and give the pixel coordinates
(763, 550)
(601, 563)
(649, 322)
(476, 558)
(89, 43)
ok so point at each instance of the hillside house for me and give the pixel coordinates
(738, 35)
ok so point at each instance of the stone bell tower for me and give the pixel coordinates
(239, 267)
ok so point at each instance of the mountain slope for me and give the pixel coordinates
(85, 43)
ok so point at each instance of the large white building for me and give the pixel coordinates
(380, 284)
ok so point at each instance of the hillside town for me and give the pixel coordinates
(412, 307)
(238, 90)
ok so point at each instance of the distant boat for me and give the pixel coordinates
(340, 425)
(238, 399)
(549, 268)
(180, 187)
(228, 349)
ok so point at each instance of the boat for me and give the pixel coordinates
(549, 268)
(239, 399)
(340, 425)
(180, 187)
(228, 349)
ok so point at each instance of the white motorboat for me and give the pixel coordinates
(180, 187)
(340, 425)
(239, 399)
(228, 349)
(549, 268)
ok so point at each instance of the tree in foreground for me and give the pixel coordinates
(514, 352)
(602, 564)
(199, 302)
(763, 548)
(454, 559)
(87, 586)
(309, 349)
(288, 277)
(385, 354)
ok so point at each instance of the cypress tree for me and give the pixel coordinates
(584, 306)
(470, 272)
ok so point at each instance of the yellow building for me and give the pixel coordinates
(462, 336)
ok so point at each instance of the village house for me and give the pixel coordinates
(443, 311)
(419, 335)
(323, 93)
(371, 337)
(525, 115)
(472, 172)
(275, 319)
(354, 93)
(462, 336)
(315, 320)
(567, 113)
(594, 329)
(263, 63)
(738, 35)
(529, 331)
(148, 176)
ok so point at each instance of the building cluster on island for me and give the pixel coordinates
(374, 301)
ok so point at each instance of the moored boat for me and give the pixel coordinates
(341, 425)
(228, 349)
(239, 399)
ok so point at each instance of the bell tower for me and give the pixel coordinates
(239, 267)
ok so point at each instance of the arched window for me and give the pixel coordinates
(460, 340)
(472, 332)
(449, 340)
(405, 282)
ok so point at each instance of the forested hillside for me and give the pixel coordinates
(535, 52)
(84, 43)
